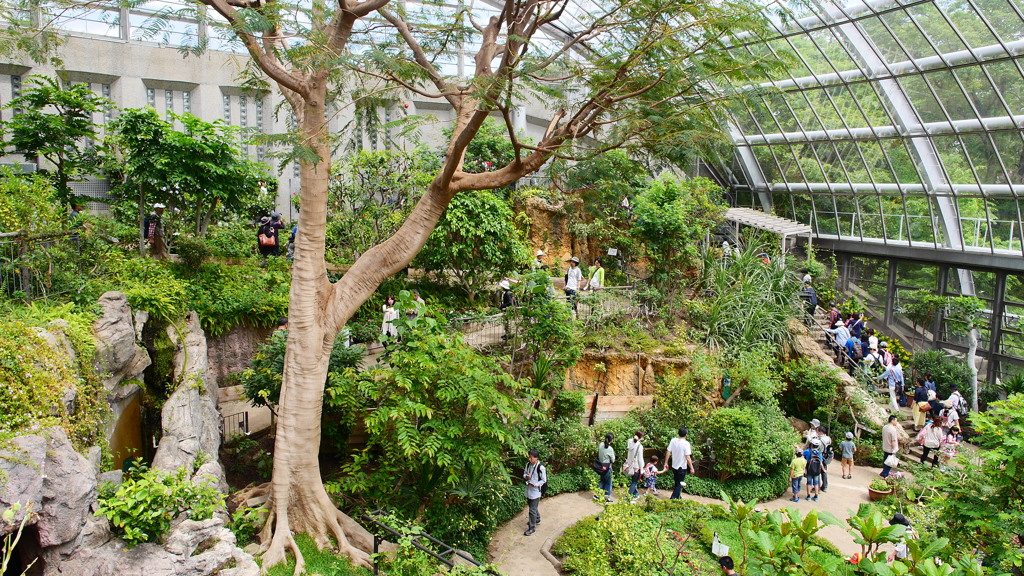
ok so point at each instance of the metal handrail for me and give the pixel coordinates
(446, 555)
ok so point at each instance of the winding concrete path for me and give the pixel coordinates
(518, 555)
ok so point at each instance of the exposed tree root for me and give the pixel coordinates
(321, 521)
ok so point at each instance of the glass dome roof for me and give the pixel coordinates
(898, 122)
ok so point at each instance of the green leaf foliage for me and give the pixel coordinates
(672, 216)
(749, 439)
(476, 243)
(811, 389)
(141, 508)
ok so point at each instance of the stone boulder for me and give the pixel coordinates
(44, 472)
(191, 548)
(119, 358)
(190, 421)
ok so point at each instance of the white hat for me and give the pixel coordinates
(158, 205)
(540, 252)
(849, 435)
(815, 442)
(815, 422)
(883, 344)
(838, 324)
(574, 259)
(504, 285)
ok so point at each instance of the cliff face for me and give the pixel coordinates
(549, 229)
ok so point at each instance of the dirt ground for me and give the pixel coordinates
(517, 555)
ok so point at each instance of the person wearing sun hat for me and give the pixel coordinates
(537, 262)
(507, 302)
(573, 277)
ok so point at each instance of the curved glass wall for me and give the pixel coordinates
(898, 122)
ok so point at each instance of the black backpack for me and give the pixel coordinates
(829, 453)
(813, 467)
(544, 486)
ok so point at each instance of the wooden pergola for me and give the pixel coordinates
(785, 228)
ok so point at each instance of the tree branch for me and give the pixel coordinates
(421, 58)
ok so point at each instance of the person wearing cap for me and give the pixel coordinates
(573, 277)
(537, 262)
(507, 302)
(269, 230)
(847, 448)
(153, 230)
(596, 281)
(893, 376)
(812, 432)
(899, 551)
(842, 335)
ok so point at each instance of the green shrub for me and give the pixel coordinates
(227, 296)
(232, 240)
(812, 389)
(945, 368)
(568, 405)
(749, 439)
(469, 523)
(192, 251)
(761, 489)
(246, 523)
(571, 480)
(562, 443)
(150, 285)
(142, 507)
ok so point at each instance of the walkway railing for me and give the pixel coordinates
(443, 553)
(234, 424)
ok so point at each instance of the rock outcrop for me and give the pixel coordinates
(45, 475)
(191, 423)
(233, 352)
(617, 374)
(119, 358)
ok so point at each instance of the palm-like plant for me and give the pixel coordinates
(742, 301)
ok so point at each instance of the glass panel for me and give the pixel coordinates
(921, 223)
(1002, 17)
(945, 87)
(877, 162)
(951, 151)
(892, 216)
(936, 29)
(1006, 229)
(920, 95)
(846, 211)
(1011, 148)
(983, 156)
(769, 165)
(1007, 78)
(973, 221)
(983, 95)
(968, 22)
(889, 49)
(917, 275)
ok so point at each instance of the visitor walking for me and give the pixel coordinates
(677, 456)
(387, 327)
(605, 458)
(828, 454)
(634, 462)
(812, 432)
(573, 277)
(921, 405)
(847, 448)
(893, 376)
(930, 437)
(535, 477)
(890, 443)
(947, 449)
(596, 281)
(796, 473)
(507, 302)
(812, 471)
(650, 475)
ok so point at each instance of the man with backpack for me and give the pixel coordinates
(828, 454)
(536, 477)
(814, 468)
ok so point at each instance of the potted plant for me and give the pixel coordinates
(879, 489)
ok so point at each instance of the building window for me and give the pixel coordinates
(186, 102)
(15, 86)
(243, 111)
(259, 114)
(108, 114)
(169, 103)
(151, 97)
(227, 108)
